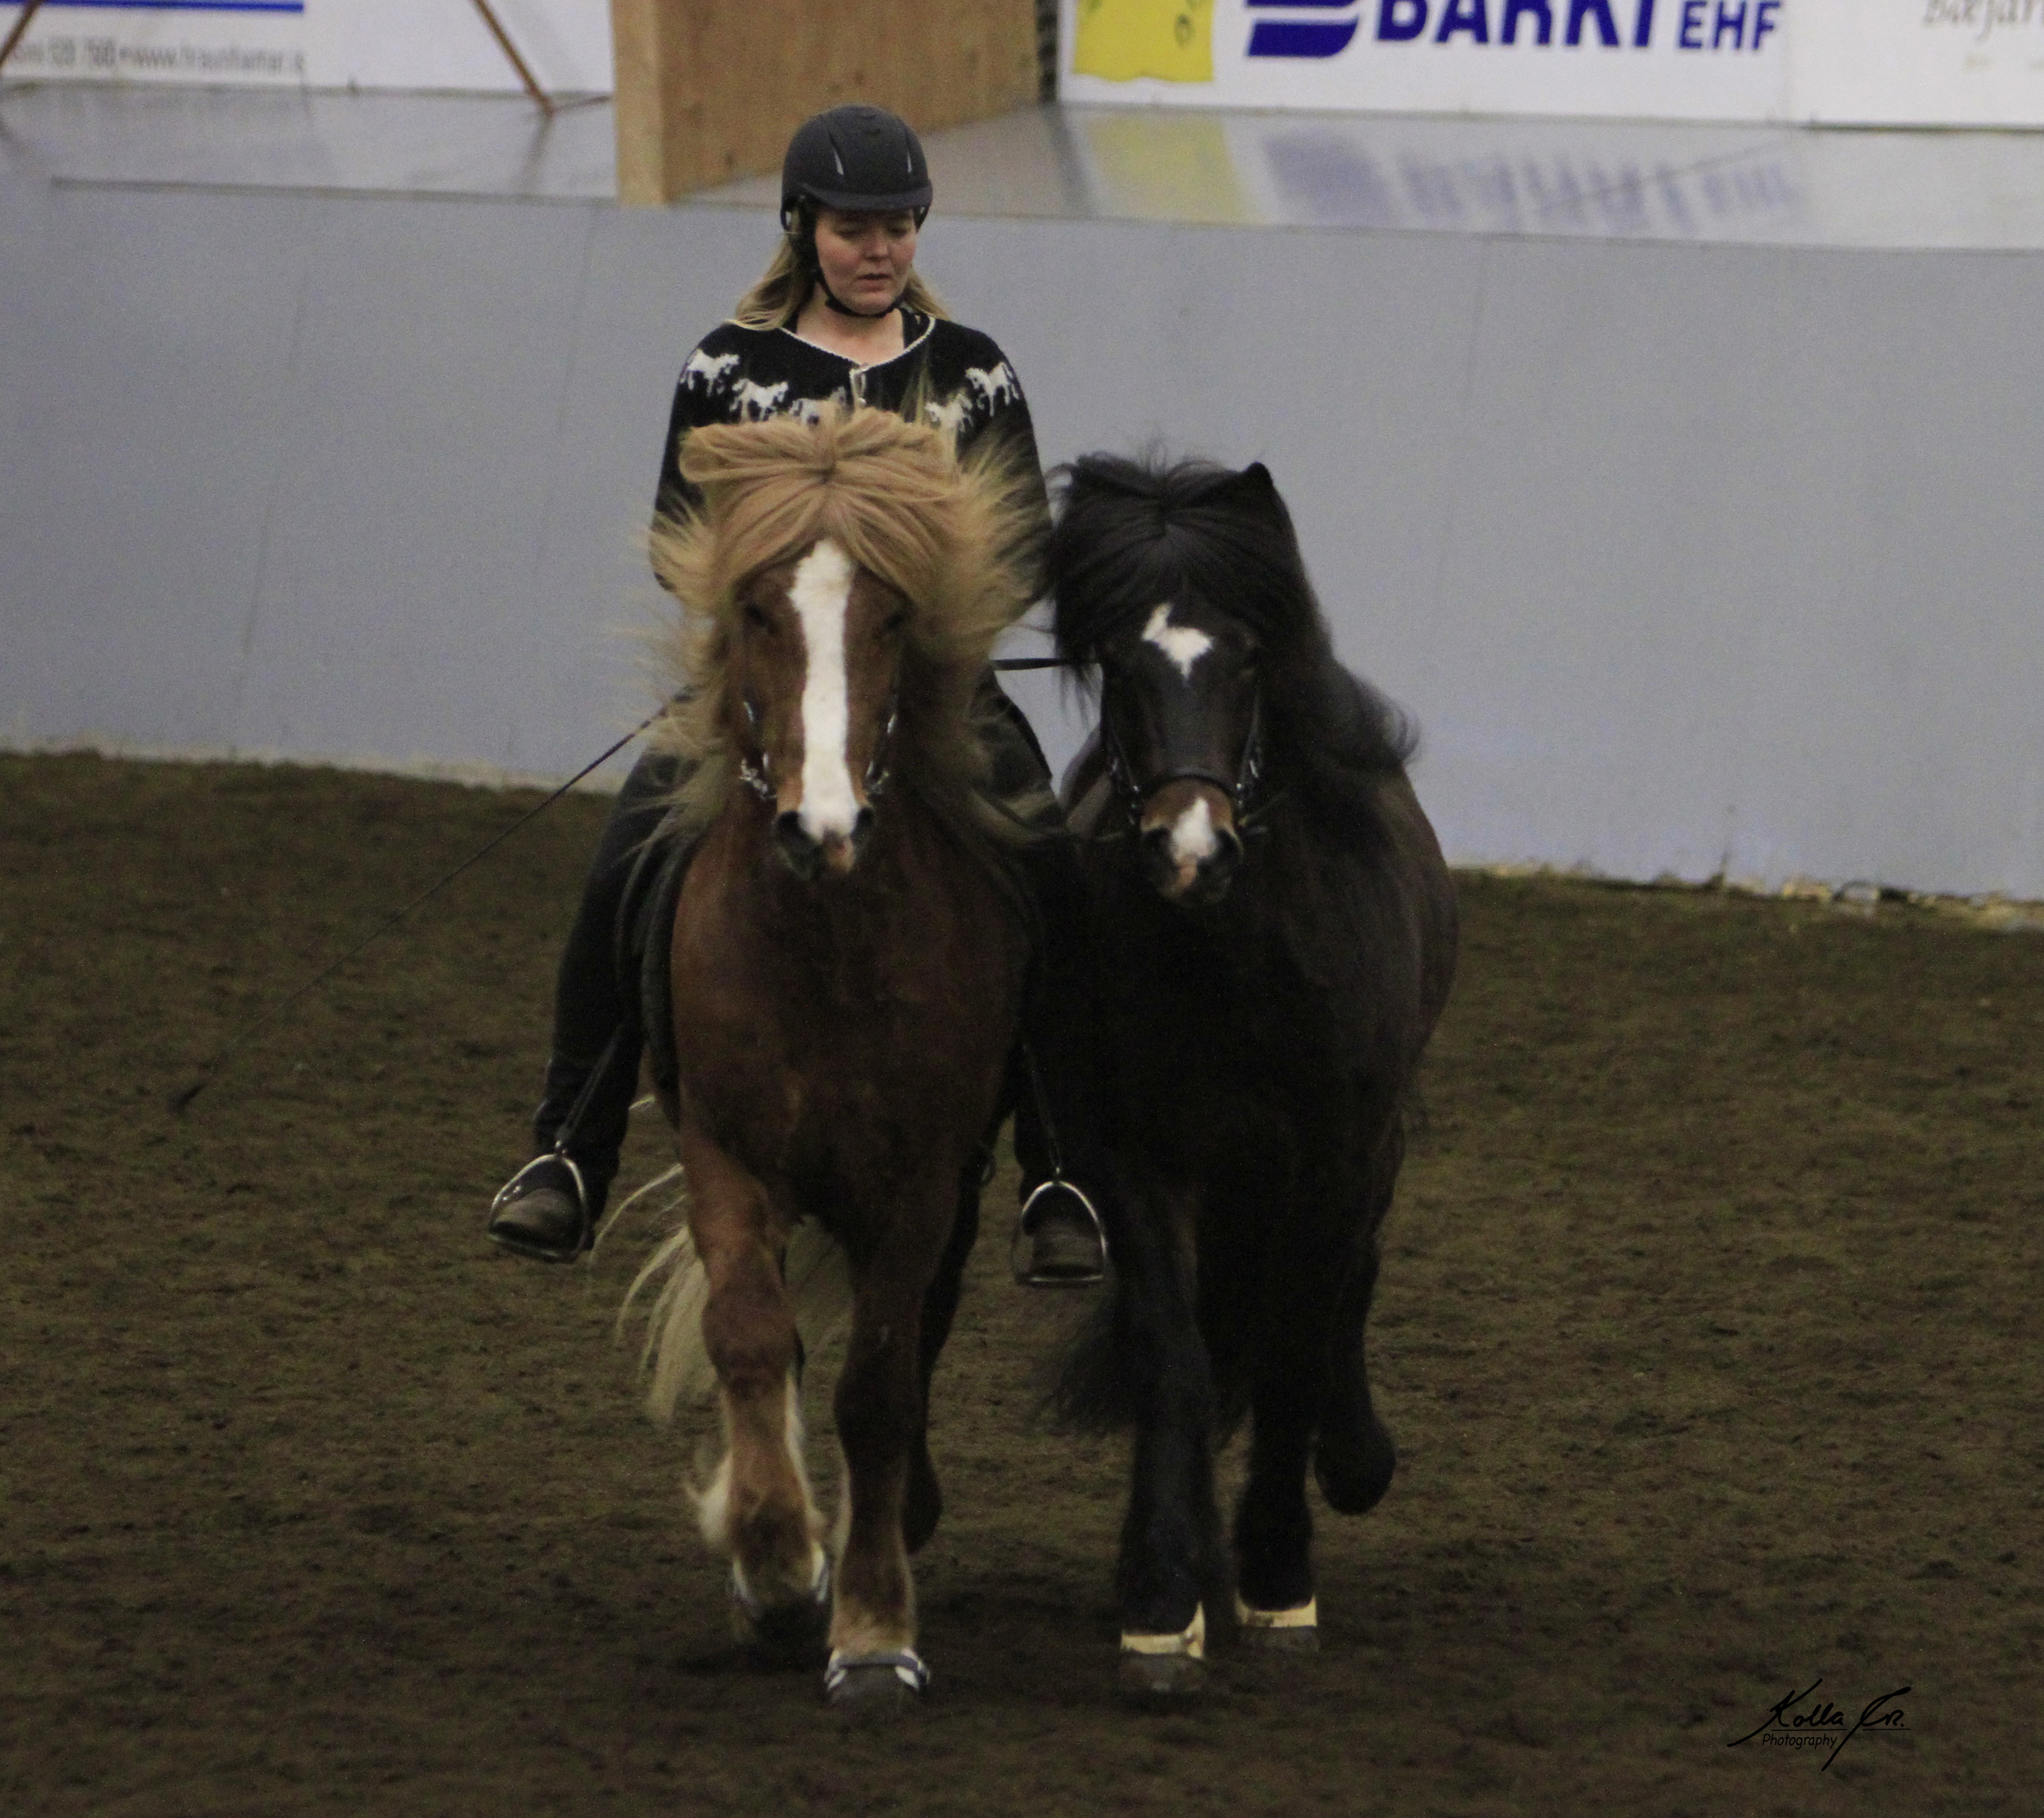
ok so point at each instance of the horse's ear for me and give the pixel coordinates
(1253, 490)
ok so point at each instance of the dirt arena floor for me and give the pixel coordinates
(1708, 1333)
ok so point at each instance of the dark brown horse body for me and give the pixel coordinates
(845, 974)
(1273, 941)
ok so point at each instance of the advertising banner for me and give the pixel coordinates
(315, 43)
(205, 43)
(1681, 59)
(1922, 62)
(1873, 61)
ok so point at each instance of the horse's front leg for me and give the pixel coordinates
(923, 1502)
(1170, 1543)
(1274, 1602)
(879, 1406)
(1353, 1458)
(1307, 1376)
(758, 1506)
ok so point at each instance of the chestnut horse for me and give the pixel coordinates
(1274, 935)
(846, 970)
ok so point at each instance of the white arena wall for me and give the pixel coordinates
(1689, 559)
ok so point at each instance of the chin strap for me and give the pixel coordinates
(832, 302)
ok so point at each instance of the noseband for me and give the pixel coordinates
(1240, 789)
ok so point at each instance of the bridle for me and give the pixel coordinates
(756, 775)
(1251, 815)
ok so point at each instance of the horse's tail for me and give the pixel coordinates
(674, 1358)
(1099, 1385)
(1092, 1392)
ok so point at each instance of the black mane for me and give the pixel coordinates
(1132, 534)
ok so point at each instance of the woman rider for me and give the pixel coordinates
(840, 315)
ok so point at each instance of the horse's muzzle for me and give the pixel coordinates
(810, 858)
(1190, 849)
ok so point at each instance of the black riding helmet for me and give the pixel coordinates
(855, 157)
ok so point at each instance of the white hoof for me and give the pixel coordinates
(1297, 1630)
(1164, 1668)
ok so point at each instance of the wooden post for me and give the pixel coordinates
(708, 90)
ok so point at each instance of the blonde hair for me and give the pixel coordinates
(783, 286)
(952, 535)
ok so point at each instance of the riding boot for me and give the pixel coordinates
(1063, 1173)
(1056, 1124)
(549, 1209)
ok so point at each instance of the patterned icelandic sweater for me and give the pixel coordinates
(741, 375)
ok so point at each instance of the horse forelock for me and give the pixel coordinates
(1132, 535)
(948, 536)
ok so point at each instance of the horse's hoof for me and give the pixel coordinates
(1151, 1680)
(1165, 1669)
(875, 1688)
(1294, 1631)
(794, 1630)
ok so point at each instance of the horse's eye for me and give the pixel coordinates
(896, 620)
(756, 618)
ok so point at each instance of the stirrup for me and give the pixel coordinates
(1021, 1265)
(512, 1189)
(509, 1191)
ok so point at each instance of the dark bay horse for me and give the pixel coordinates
(845, 978)
(1274, 938)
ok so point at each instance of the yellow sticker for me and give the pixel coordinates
(1120, 39)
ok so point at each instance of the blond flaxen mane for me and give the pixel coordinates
(954, 537)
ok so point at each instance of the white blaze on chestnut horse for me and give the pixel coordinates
(846, 975)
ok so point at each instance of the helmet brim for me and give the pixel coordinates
(852, 202)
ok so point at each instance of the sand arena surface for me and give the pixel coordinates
(1707, 1332)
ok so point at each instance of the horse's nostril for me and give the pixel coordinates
(796, 846)
(862, 825)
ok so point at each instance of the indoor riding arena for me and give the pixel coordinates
(1656, 401)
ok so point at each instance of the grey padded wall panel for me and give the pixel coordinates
(419, 432)
(144, 450)
(1744, 534)
(655, 280)
(1688, 558)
